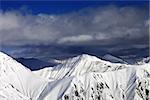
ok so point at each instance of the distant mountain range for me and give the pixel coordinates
(35, 64)
(83, 77)
(113, 59)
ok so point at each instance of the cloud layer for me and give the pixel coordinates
(100, 26)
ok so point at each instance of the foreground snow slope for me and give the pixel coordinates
(130, 83)
(80, 78)
(19, 80)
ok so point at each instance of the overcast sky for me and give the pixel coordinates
(94, 29)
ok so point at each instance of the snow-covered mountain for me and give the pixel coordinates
(144, 60)
(83, 77)
(17, 82)
(79, 65)
(90, 78)
(113, 59)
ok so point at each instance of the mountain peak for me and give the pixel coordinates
(88, 57)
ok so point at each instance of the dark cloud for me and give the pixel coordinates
(92, 30)
(46, 52)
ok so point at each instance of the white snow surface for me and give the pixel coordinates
(83, 77)
(15, 77)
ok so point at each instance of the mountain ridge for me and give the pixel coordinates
(83, 77)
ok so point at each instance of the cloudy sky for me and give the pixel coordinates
(64, 29)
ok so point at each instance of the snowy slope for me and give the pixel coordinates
(83, 77)
(15, 77)
(78, 66)
(90, 78)
(8, 92)
(130, 83)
